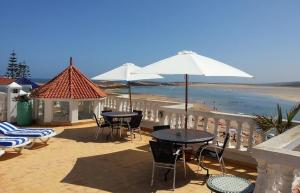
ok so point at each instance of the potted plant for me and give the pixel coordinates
(272, 126)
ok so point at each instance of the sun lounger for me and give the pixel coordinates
(17, 143)
(44, 135)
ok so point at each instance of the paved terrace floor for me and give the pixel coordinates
(74, 162)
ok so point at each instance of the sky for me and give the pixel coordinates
(261, 37)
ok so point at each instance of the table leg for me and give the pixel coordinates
(184, 163)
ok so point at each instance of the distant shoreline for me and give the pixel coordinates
(289, 91)
(282, 92)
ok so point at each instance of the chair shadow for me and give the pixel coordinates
(10, 155)
(38, 145)
(231, 169)
(124, 171)
(87, 135)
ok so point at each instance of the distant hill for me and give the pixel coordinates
(291, 84)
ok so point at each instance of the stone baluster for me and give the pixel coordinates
(216, 127)
(151, 113)
(205, 124)
(167, 119)
(146, 110)
(227, 122)
(261, 180)
(177, 121)
(251, 138)
(196, 121)
(173, 120)
(239, 135)
(155, 110)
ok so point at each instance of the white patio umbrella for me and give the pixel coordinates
(191, 63)
(124, 73)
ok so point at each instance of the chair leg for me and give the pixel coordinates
(184, 163)
(174, 177)
(131, 135)
(140, 133)
(30, 144)
(223, 166)
(19, 149)
(97, 133)
(153, 170)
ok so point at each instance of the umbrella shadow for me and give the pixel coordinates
(87, 135)
(124, 171)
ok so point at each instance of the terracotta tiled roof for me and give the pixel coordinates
(6, 81)
(69, 84)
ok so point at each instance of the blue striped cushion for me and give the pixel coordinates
(11, 130)
(12, 141)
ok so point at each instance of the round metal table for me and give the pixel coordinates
(120, 116)
(182, 136)
(229, 184)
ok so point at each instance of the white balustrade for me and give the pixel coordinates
(242, 138)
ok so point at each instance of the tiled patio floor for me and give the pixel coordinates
(74, 162)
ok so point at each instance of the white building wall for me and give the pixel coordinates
(3, 106)
(73, 111)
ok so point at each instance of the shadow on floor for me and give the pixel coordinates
(9, 155)
(124, 171)
(87, 135)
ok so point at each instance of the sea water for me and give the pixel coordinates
(221, 99)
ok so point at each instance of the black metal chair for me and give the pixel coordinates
(100, 126)
(164, 157)
(138, 112)
(113, 123)
(213, 151)
(161, 127)
(134, 125)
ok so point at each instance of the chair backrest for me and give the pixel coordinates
(135, 121)
(138, 112)
(96, 119)
(107, 119)
(6, 127)
(161, 127)
(162, 152)
(224, 144)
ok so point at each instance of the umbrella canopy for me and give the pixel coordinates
(191, 63)
(124, 73)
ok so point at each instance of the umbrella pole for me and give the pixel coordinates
(129, 90)
(186, 101)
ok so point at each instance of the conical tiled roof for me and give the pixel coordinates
(69, 84)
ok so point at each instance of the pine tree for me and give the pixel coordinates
(12, 67)
(23, 70)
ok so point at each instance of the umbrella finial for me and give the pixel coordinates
(185, 52)
(71, 61)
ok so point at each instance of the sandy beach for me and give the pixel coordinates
(282, 92)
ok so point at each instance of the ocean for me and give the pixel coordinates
(225, 100)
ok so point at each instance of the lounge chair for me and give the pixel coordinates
(17, 143)
(44, 135)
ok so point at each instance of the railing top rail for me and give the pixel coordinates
(281, 148)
